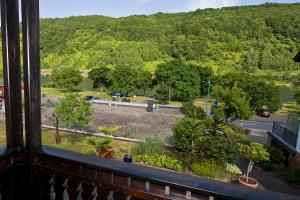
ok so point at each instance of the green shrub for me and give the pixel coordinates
(220, 148)
(99, 143)
(190, 110)
(240, 130)
(254, 151)
(48, 85)
(208, 169)
(109, 131)
(187, 132)
(89, 150)
(161, 161)
(151, 146)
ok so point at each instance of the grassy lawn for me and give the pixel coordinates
(73, 142)
(288, 107)
(76, 142)
(60, 92)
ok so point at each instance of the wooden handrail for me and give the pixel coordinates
(113, 175)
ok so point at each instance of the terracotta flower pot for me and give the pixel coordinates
(108, 153)
(252, 183)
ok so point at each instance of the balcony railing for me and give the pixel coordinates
(59, 174)
(284, 134)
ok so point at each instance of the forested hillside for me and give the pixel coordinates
(244, 38)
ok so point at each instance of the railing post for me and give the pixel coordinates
(12, 73)
(31, 59)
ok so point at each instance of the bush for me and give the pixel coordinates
(161, 161)
(109, 131)
(219, 148)
(151, 146)
(187, 133)
(254, 151)
(233, 169)
(89, 150)
(208, 169)
(99, 143)
(240, 130)
(48, 85)
(190, 110)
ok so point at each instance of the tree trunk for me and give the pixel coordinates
(57, 136)
(169, 95)
(101, 89)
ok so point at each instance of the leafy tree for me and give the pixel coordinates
(124, 79)
(161, 93)
(100, 77)
(235, 104)
(181, 79)
(259, 93)
(66, 77)
(187, 133)
(144, 80)
(71, 110)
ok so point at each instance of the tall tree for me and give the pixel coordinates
(234, 103)
(66, 77)
(181, 78)
(100, 77)
(71, 110)
(144, 80)
(124, 79)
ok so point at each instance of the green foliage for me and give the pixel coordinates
(161, 161)
(235, 104)
(254, 151)
(66, 77)
(73, 110)
(124, 79)
(233, 169)
(100, 77)
(181, 79)
(99, 144)
(161, 93)
(109, 131)
(89, 150)
(187, 134)
(151, 146)
(208, 169)
(192, 111)
(144, 80)
(258, 92)
(246, 38)
(219, 148)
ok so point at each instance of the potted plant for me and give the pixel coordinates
(128, 158)
(254, 152)
(102, 146)
(234, 171)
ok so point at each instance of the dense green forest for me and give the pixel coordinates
(243, 38)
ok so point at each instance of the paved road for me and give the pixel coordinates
(258, 129)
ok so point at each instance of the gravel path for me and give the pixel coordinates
(136, 121)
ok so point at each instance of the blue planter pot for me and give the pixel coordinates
(127, 159)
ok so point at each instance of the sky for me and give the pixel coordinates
(121, 8)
